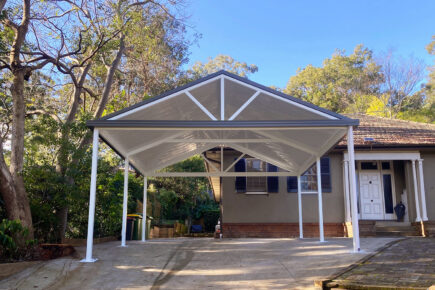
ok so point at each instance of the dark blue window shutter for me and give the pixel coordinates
(240, 181)
(326, 174)
(272, 181)
(292, 184)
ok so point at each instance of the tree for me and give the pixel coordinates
(222, 62)
(18, 58)
(402, 77)
(343, 83)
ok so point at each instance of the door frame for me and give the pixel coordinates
(381, 172)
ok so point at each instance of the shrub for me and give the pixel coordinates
(13, 240)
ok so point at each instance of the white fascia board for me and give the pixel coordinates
(385, 155)
(163, 99)
(282, 99)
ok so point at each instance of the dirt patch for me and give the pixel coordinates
(9, 269)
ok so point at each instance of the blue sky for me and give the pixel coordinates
(280, 36)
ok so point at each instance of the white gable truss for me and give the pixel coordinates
(222, 110)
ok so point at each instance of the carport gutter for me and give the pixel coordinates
(174, 125)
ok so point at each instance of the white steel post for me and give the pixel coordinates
(301, 226)
(353, 196)
(320, 200)
(144, 208)
(93, 190)
(346, 190)
(417, 202)
(124, 204)
(422, 191)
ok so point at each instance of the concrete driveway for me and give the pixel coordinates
(199, 263)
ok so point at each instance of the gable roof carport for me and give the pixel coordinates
(220, 110)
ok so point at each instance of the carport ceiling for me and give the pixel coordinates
(226, 110)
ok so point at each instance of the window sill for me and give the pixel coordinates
(255, 192)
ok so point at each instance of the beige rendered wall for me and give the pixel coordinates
(282, 207)
(429, 182)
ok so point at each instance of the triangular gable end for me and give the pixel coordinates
(226, 97)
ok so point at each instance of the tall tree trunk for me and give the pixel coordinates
(12, 183)
(62, 163)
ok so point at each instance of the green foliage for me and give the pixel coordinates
(13, 240)
(222, 62)
(343, 83)
(184, 198)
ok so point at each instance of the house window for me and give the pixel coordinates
(309, 179)
(256, 183)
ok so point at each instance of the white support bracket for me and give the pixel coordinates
(234, 163)
(209, 162)
(244, 105)
(204, 109)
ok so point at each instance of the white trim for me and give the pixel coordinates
(162, 99)
(218, 141)
(234, 163)
(144, 208)
(124, 203)
(244, 106)
(383, 155)
(92, 197)
(204, 109)
(301, 226)
(219, 174)
(142, 148)
(282, 99)
(261, 156)
(293, 143)
(353, 195)
(320, 199)
(256, 192)
(417, 202)
(422, 191)
(180, 157)
(222, 98)
(209, 162)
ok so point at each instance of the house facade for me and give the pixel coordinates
(394, 161)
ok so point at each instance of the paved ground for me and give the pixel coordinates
(198, 264)
(409, 263)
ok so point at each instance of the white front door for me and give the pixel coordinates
(371, 196)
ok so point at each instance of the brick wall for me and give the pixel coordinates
(280, 230)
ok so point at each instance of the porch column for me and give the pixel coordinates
(346, 190)
(124, 204)
(417, 202)
(422, 191)
(93, 190)
(320, 199)
(353, 196)
(301, 226)
(144, 208)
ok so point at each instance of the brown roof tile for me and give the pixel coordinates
(390, 132)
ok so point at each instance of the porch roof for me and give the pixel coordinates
(374, 131)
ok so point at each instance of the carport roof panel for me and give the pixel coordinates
(229, 76)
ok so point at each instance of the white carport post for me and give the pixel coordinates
(93, 190)
(301, 226)
(124, 204)
(353, 196)
(144, 208)
(320, 200)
